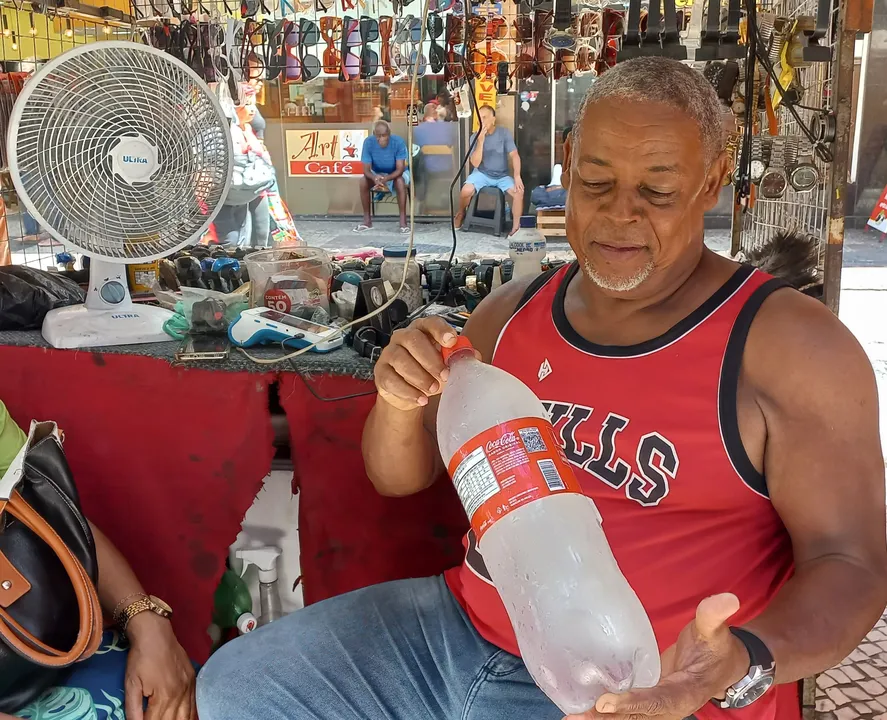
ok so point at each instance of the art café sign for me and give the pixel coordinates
(324, 152)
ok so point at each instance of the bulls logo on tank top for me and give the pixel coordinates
(651, 432)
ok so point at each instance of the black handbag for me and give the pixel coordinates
(50, 617)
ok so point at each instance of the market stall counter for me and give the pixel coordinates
(168, 459)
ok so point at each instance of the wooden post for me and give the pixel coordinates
(842, 96)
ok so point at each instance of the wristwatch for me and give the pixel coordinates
(142, 603)
(774, 182)
(804, 175)
(760, 677)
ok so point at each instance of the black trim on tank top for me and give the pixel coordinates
(534, 287)
(728, 387)
(648, 346)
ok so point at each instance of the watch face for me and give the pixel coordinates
(773, 185)
(757, 170)
(753, 692)
(160, 604)
(804, 177)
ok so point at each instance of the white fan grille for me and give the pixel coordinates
(74, 112)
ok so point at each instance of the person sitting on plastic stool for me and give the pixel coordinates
(490, 162)
(384, 158)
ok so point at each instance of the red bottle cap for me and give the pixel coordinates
(462, 343)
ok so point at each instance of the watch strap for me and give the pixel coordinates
(562, 14)
(758, 653)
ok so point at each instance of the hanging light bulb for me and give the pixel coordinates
(33, 29)
(106, 29)
(69, 31)
(6, 31)
(14, 41)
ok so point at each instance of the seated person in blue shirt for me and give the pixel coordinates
(554, 194)
(490, 162)
(384, 159)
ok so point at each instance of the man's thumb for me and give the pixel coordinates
(713, 613)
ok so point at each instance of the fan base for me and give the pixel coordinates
(77, 326)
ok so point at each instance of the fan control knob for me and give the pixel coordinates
(113, 292)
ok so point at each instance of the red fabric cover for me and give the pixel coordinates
(350, 536)
(167, 461)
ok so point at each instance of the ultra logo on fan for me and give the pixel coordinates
(135, 159)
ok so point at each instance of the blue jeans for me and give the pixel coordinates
(399, 651)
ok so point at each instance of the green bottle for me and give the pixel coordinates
(232, 609)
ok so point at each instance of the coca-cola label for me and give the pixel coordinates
(508, 466)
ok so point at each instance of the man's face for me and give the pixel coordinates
(382, 138)
(637, 188)
(487, 119)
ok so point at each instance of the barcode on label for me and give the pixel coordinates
(551, 475)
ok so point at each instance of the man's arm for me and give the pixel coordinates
(370, 174)
(477, 155)
(825, 472)
(516, 168)
(399, 167)
(808, 407)
(400, 436)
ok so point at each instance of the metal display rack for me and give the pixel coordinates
(826, 87)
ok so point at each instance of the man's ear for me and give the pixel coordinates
(565, 168)
(714, 181)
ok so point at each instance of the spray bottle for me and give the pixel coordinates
(265, 560)
(232, 609)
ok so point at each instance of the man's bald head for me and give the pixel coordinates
(661, 80)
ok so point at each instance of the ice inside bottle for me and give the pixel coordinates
(580, 627)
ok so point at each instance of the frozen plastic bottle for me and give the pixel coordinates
(580, 627)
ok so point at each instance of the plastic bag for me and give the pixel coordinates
(27, 294)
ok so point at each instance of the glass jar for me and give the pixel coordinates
(392, 272)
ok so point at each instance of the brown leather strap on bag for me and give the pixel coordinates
(89, 634)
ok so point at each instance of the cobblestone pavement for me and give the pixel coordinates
(857, 688)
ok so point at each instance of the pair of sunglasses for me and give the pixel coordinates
(368, 28)
(437, 53)
(386, 28)
(331, 32)
(349, 63)
(406, 51)
(300, 65)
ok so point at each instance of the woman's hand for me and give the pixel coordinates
(158, 669)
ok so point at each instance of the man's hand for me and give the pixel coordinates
(410, 369)
(158, 669)
(518, 184)
(706, 660)
(379, 181)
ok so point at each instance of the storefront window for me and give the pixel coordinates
(315, 131)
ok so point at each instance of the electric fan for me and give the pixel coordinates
(123, 153)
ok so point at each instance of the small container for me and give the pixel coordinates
(392, 272)
(527, 248)
(287, 279)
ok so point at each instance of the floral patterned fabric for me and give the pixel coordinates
(93, 690)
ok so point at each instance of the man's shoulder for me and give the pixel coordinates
(494, 311)
(795, 339)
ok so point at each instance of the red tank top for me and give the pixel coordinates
(651, 432)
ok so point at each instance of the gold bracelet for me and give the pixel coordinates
(115, 615)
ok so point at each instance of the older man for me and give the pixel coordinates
(725, 426)
(384, 158)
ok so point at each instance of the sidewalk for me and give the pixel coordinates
(857, 689)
